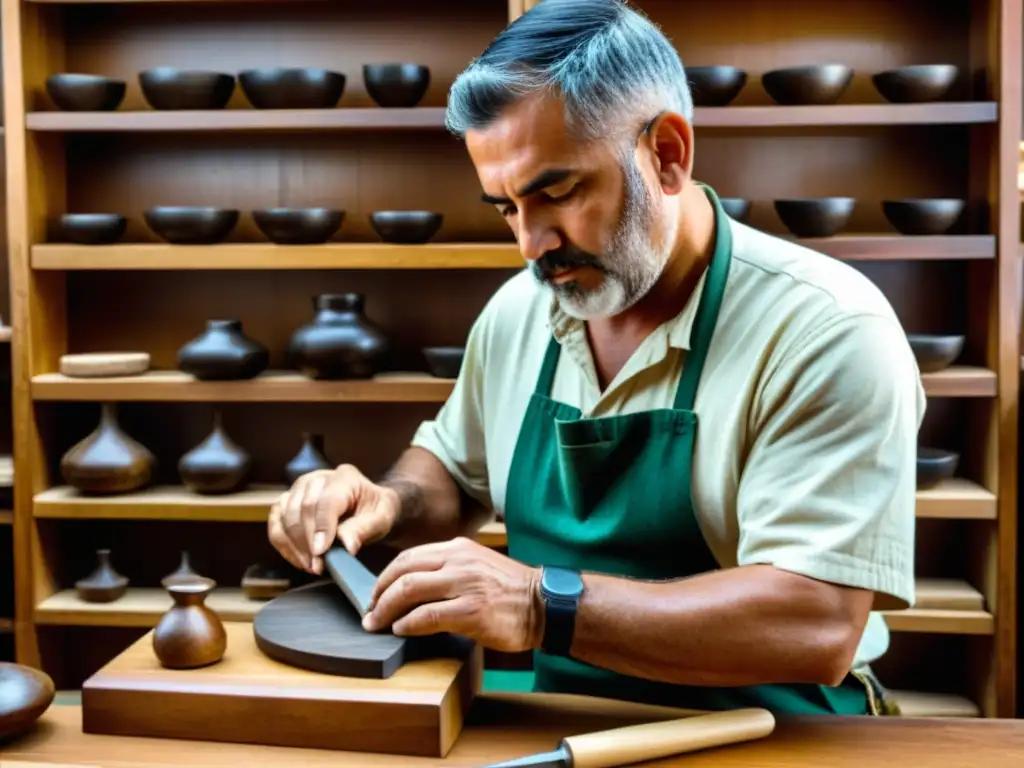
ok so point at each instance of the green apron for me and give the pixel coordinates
(612, 495)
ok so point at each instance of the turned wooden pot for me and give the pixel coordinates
(190, 634)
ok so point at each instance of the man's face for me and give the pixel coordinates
(582, 214)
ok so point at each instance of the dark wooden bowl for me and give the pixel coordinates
(923, 216)
(184, 225)
(93, 228)
(444, 362)
(715, 86)
(292, 88)
(922, 82)
(935, 465)
(933, 352)
(814, 84)
(396, 84)
(736, 207)
(298, 226)
(409, 227)
(25, 694)
(172, 88)
(74, 92)
(815, 217)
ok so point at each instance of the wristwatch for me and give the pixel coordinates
(560, 590)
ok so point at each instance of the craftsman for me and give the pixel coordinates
(702, 437)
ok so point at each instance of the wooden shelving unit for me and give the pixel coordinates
(144, 294)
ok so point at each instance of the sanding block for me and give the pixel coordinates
(354, 579)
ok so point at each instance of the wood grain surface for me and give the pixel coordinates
(249, 698)
(316, 627)
(503, 726)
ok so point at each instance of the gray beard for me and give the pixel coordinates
(631, 262)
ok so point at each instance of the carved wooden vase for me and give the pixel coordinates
(216, 465)
(190, 634)
(223, 352)
(340, 342)
(309, 458)
(108, 461)
(104, 584)
(182, 574)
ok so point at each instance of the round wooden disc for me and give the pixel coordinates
(98, 364)
(315, 627)
(25, 694)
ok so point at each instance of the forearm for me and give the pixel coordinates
(433, 506)
(742, 626)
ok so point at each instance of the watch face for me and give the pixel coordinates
(560, 581)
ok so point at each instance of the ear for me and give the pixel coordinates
(670, 139)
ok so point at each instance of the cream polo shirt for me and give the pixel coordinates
(808, 410)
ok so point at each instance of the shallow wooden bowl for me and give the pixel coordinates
(935, 353)
(409, 227)
(94, 365)
(814, 84)
(73, 92)
(25, 694)
(171, 88)
(185, 225)
(93, 228)
(292, 88)
(396, 84)
(715, 86)
(914, 84)
(736, 207)
(298, 226)
(935, 465)
(923, 216)
(444, 362)
(815, 217)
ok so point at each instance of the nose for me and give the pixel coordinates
(537, 238)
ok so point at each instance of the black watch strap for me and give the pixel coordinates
(560, 590)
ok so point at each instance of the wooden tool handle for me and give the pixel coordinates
(636, 743)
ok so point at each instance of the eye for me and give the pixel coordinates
(507, 210)
(564, 196)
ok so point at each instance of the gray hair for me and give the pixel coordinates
(613, 68)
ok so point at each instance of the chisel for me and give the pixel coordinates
(651, 741)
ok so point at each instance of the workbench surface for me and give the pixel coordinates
(507, 725)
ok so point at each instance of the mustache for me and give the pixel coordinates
(564, 258)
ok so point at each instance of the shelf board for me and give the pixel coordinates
(270, 387)
(290, 386)
(260, 255)
(139, 607)
(141, 256)
(955, 499)
(925, 616)
(143, 606)
(365, 118)
(6, 517)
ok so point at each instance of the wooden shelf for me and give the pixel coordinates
(143, 606)
(375, 118)
(136, 256)
(162, 256)
(289, 386)
(271, 387)
(953, 499)
(6, 517)
(936, 611)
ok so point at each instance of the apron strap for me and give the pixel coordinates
(547, 370)
(707, 311)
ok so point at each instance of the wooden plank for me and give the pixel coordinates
(374, 118)
(6, 517)
(947, 594)
(139, 607)
(271, 387)
(927, 704)
(163, 256)
(952, 499)
(288, 386)
(944, 622)
(140, 256)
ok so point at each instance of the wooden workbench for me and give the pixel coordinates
(507, 725)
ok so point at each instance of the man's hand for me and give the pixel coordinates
(462, 587)
(329, 503)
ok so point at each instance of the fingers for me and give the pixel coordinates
(278, 538)
(409, 591)
(447, 616)
(308, 500)
(426, 557)
(369, 525)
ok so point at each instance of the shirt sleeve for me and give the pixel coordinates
(828, 489)
(456, 435)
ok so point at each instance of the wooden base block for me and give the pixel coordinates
(248, 698)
